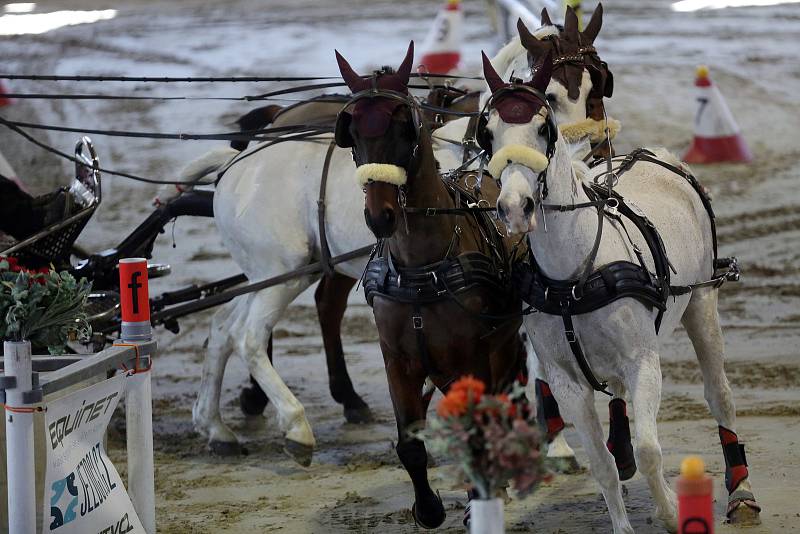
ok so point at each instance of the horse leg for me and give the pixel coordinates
(560, 456)
(205, 411)
(577, 401)
(645, 390)
(701, 321)
(331, 299)
(405, 383)
(253, 400)
(264, 310)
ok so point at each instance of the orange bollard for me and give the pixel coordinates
(134, 296)
(695, 498)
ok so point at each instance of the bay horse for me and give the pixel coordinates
(603, 312)
(438, 283)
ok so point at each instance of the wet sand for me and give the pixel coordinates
(355, 483)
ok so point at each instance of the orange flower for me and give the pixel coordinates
(453, 404)
(471, 386)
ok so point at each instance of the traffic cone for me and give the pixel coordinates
(717, 137)
(441, 50)
(4, 101)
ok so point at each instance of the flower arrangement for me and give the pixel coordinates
(493, 438)
(42, 306)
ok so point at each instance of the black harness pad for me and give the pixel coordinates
(433, 282)
(614, 281)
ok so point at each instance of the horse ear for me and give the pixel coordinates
(531, 43)
(571, 22)
(493, 79)
(546, 18)
(350, 77)
(404, 71)
(593, 28)
(541, 79)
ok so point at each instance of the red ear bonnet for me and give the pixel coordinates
(372, 116)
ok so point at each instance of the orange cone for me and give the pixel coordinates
(717, 137)
(3, 100)
(441, 51)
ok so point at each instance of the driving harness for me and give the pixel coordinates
(619, 279)
(449, 277)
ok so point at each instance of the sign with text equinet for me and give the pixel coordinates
(84, 494)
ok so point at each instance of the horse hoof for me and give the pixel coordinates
(431, 519)
(358, 416)
(566, 465)
(300, 452)
(743, 509)
(226, 448)
(252, 401)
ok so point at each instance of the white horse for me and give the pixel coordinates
(619, 339)
(266, 212)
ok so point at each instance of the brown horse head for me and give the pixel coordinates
(382, 132)
(573, 51)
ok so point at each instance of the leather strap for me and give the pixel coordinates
(577, 351)
(422, 346)
(325, 251)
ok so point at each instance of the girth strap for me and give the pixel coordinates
(325, 251)
(422, 347)
(577, 351)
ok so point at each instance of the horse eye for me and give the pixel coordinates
(552, 99)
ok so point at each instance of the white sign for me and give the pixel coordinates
(83, 491)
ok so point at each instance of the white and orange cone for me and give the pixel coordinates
(441, 51)
(717, 138)
(4, 101)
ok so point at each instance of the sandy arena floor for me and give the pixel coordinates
(355, 483)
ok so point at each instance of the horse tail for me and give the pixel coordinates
(255, 120)
(193, 172)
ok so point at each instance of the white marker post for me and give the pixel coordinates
(19, 439)
(136, 330)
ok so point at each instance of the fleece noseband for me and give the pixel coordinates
(518, 103)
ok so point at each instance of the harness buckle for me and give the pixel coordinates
(416, 322)
(430, 212)
(570, 335)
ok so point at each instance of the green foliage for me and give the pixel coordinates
(44, 307)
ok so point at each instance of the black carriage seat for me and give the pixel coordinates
(47, 226)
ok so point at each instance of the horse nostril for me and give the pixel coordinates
(501, 211)
(528, 207)
(388, 216)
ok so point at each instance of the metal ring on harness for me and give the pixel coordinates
(574, 296)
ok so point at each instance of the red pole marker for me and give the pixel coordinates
(695, 498)
(4, 100)
(135, 299)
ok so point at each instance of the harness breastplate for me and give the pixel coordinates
(431, 283)
(611, 282)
